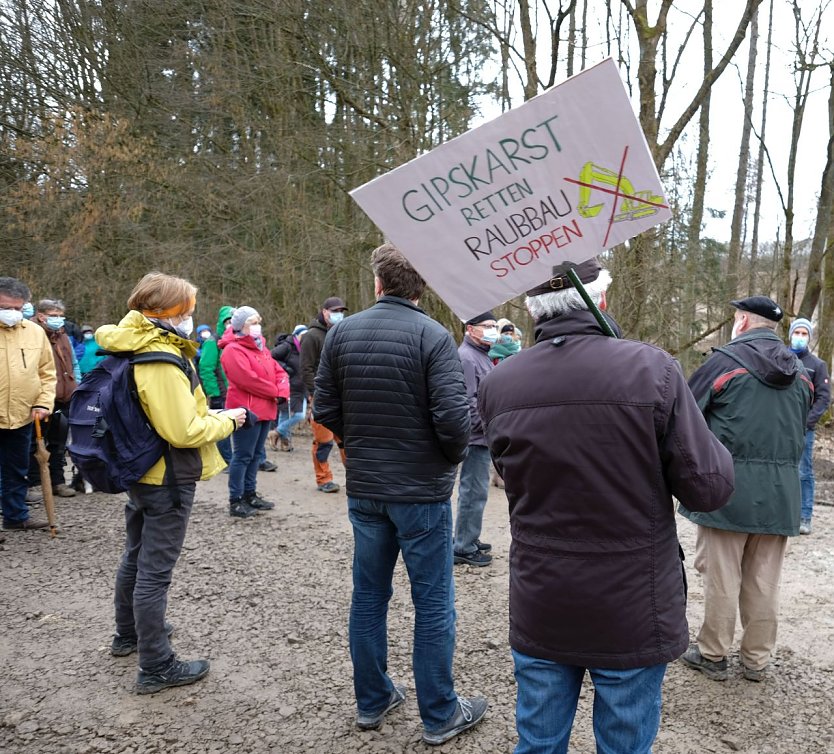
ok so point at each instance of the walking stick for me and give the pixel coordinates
(42, 454)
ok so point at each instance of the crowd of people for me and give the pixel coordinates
(591, 436)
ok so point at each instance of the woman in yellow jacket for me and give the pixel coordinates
(158, 506)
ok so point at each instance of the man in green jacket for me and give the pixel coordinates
(755, 396)
(212, 376)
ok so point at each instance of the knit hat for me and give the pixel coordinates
(200, 328)
(802, 322)
(242, 313)
(299, 330)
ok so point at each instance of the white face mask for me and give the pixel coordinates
(255, 331)
(10, 317)
(336, 317)
(185, 328)
(490, 335)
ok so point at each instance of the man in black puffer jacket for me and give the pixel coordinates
(593, 436)
(390, 384)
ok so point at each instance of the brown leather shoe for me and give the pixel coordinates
(25, 524)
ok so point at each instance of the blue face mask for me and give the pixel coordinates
(28, 311)
(55, 323)
(799, 343)
(505, 340)
(336, 317)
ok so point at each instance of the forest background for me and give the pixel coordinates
(218, 140)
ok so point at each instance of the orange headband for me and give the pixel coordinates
(172, 311)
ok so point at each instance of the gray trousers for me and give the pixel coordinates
(156, 518)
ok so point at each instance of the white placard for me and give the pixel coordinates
(562, 177)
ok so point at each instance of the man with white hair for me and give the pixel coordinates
(755, 396)
(593, 435)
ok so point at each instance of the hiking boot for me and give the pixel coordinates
(286, 444)
(64, 490)
(254, 500)
(805, 526)
(477, 558)
(175, 673)
(267, 466)
(483, 546)
(122, 646)
(328, 487)
(715, 671)
(757, 676)
(470, 712)
(34, 495)
(27, 523)
(372, 722)
(241, 509)
(272, 439)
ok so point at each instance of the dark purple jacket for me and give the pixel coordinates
(593, 435)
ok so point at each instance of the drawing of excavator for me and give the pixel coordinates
(629, 209)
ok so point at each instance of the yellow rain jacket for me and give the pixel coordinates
(174, 402)
(27, 373)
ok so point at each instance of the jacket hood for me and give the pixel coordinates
(766, 357)
(317, 324)
(136, 333)
(224, 314)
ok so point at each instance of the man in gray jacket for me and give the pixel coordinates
(481, 335)
(390, 385)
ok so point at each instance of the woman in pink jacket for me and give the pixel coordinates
(256, 382)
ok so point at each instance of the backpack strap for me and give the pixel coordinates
(162, 357)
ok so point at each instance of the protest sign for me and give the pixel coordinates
(562, 177)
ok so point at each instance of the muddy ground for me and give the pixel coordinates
(267, 601)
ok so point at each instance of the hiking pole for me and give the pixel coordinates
(42, 454)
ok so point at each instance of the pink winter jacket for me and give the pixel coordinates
(256, 381)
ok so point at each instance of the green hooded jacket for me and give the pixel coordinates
(755, 395)
(212, 376)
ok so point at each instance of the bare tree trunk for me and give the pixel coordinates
(734, 253)
(531, 82)
(825, 207)
(571, 39)
(752, 284)
(825, 346)
(807, 46)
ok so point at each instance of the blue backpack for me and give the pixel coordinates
(113, 443)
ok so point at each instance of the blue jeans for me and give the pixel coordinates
(423, 532)
(626, 706)
(286, 420)
(156, 518)
(806, 476)
(247, 445)
(472, 498)
(14, 465)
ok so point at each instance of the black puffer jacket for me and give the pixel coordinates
(288, 356)
(390, 384)
(593, 436)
